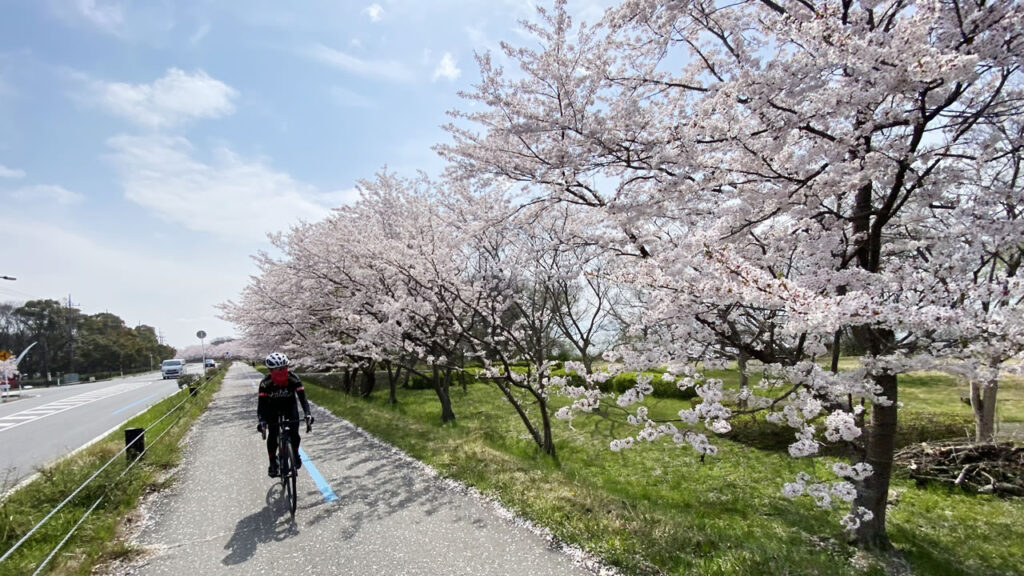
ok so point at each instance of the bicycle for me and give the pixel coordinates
(286, 458)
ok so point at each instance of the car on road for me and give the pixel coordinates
(172, 368)
(209, 363)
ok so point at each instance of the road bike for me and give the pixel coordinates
(286, 457)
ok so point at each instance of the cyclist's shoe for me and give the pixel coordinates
(273, 470)
(298, 462)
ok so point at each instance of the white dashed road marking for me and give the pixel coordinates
(32, 414)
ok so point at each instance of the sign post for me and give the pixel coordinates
(6, 372)
(202, 335)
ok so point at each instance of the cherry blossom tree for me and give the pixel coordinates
(783, 164)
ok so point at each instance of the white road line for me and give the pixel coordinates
(56, 407)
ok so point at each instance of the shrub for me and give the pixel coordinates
(913, 428)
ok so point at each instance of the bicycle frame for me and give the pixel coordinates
(286, 458)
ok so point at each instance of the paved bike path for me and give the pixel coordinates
(223, 515)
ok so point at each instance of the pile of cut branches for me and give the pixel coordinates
(987, 468)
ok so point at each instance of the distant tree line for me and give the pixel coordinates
(69, 341)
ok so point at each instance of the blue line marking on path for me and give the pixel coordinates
(119, 410)
(318, 479)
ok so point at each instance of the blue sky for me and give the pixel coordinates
(148, 146)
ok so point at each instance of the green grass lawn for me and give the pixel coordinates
(656, 509)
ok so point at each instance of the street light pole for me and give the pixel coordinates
(7, 278)
(201, 335)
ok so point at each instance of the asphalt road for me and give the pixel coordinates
(365, 509)
(44, 424)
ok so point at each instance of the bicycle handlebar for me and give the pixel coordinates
(289, 422)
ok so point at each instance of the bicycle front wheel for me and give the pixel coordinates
(289, 475)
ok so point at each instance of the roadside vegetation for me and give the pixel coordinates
(657, 509)
(95, 541)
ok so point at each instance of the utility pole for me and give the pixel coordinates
(71, 339)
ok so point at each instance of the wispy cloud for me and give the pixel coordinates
(105, 15)
(447, 68)
(350, 99)
(6, 172)
(233, 197)
(97, 267)
(384, 69)
(197, 37)
(172, 99)
(375, 12)
(47, 194)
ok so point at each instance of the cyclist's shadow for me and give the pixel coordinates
(271, 524)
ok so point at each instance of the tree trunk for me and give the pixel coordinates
(506, 389)
(588, 363)
(346, 381)
(548, 446)
(983, 402)
(880, 445)
(369, 379)
(741, 363)
(441, 387)
(393, 376)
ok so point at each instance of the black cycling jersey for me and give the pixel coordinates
(275, 400)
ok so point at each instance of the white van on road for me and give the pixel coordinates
(172, 368)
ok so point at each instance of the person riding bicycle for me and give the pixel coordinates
(277, 393)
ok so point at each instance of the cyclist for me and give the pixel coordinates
(277, 393)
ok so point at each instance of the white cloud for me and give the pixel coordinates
(133, 21)
(478, 37)
(6, 172)
(350, 99)
(447, 68)
(47, 194)
(386, 70)
(173, 99)
(199, 34)
(233, 197)
(375, 12)
(169, 289)
(108, 16)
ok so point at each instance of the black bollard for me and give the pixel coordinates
(135, 442)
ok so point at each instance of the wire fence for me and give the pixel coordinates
(129, 445)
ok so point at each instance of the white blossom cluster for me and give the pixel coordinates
(857, 472)
(841, 425)
(823, 493)
(711, 201)
(8, 368)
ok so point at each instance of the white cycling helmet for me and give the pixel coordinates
(276, 360)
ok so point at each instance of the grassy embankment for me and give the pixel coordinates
(656, 509)
(95, 540)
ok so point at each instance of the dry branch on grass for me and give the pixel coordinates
(987, 468)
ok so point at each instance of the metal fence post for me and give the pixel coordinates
(135, 442)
